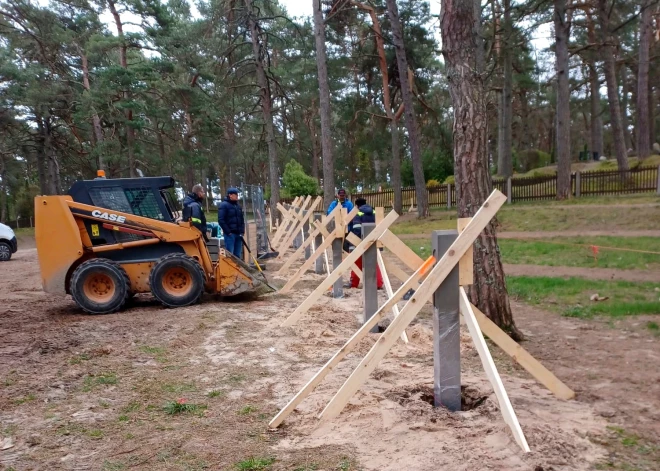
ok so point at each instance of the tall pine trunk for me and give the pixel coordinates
(596, 112)
(324, 106)
(505, 158)
(128, 113)
(562, 34)
(642, 109)
(625, 90)
(266, 108)
(411, 117)
(609, 61)
(473, 184)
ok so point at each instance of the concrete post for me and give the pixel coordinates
(319, 268)
(308, 249)
(509, 192)
(337, 252)
(369, 281)
(578, 184)
(446, 332)
(658, 185)
(448, 195)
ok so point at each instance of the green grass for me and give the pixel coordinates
(577, 252)
(182, 407)
(178, 388)
(254, 464)
(24, 399)
(551, 216)
(91, 381)
(247, 410)
(571, 252)
(216, 393)
(571, 297)
(653, 327)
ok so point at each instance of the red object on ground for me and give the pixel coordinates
(355, 280)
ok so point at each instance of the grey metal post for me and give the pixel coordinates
(578, 184)
(446, 331)
(658, 186)
(509, 193)
(319, 268)
(369, 281)
(337, 258)
(308, 249)
(448, 195)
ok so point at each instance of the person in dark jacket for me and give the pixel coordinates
(193, 211)
(232, 223)
(365, 215)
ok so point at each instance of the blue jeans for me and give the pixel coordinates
(234, 245)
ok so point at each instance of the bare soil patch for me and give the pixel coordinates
(89, 392)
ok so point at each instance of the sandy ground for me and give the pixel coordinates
(56, 414)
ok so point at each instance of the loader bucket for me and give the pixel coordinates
(234, 277)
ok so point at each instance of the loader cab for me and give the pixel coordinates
(148, 197)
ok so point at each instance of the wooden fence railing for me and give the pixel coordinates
(589, 183)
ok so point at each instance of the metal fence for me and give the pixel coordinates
(588, 183)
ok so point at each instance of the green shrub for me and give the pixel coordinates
(432, 183)
(450, 180)
(295, 182)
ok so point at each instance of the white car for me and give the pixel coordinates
(8, 243)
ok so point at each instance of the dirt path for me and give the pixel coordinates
(608, 274)
(552, 234)
(89, 392)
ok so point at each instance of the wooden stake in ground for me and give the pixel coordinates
(491, 371)
(299, 227)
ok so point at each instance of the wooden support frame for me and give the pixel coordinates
(522, 357)
(294, 222)
(298, 227)
(348, 346)
(287, 215)
(506, 409)
(336, 273)
(355, 240)
(298, 253)
(414, 305)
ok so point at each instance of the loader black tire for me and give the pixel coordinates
(100, 286)
(177, 280)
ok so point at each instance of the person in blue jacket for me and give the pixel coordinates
(341, 199)
(232, 223)
(192, 209)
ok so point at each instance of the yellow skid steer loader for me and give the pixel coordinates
(109, 239)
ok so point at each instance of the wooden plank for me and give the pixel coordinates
(296, 217)
(298, 253)
(491, 371)
(414, 305)
(336, 273)
(401, 250)
(298, 228)
(348, 347)
(389, 291)
(380, 215)
(306, 266)
(284, 226)
(522, 357)
(466, 265)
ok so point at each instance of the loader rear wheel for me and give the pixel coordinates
(100, 286)
(177, 280)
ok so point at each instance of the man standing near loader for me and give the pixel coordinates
(232, 223)
(193, 211)
(365, 215)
